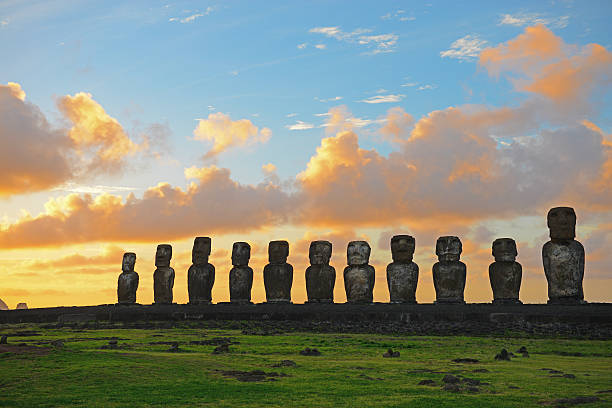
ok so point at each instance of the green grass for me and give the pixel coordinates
(351, 371)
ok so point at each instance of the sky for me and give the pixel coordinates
(128, 124)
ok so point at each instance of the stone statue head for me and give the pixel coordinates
(402, 248)
(241, 253)
(504, 250)
(448, 248)
(129, 260)
(562, 223)
(201, 250)
(278, 251)
(163, 255)
(358, 253)
(320, 252)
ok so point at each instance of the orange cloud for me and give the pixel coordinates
(225, 133)
(95, 132)
(549, 67)
(215, 204)
(33, 156)
(397, 125)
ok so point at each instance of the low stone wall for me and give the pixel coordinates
(589, 321)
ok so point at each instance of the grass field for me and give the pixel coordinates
(350, 372)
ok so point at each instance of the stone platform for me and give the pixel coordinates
(418, 318)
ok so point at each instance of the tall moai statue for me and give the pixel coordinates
(402, 273)
(201, 275)
(358, 275)
(505, 273)
(563, 258)
(127, 284)
(320, 276)
(241, 275)
(278, 274)
(163, 277)
(449, 273)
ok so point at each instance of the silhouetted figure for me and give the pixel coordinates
(241, 275)
(449, 273)
(563, 258)
(402, 273)
(505, 273)
(163, 277)
(127, 284)
(358, 275)
(320, 276)
(201, 275)
(278, 274)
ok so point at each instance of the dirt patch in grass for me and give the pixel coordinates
(24, 349)
(251, 376)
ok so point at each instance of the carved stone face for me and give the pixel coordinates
(163, 255)
(358, 253)
(129, 260)
(320, 252)
(201, 250)
(562, 223)
(402, 248)
(448, 249)
(278, 251)
(241, 253)
(504, 250)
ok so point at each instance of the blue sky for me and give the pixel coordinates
(160, 68)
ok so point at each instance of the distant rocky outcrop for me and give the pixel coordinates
(22, 305)
(3, 305)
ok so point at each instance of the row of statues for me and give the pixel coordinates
(563, 259)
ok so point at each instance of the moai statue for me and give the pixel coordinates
(505, 273)
(320, 276)
(278, 274)
(127, 284)
(241, 275)
(201, 275)
(449, 273)
(402, 273)
(358, 275)
(163, 277)
(563, 258)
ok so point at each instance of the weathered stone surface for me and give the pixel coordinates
(241, 275)
(278, 274)
(201, 274)
(320, 276)
(22, 305)
(358, 275)
(449, 273)
(505, 274)
(402, 273)
(127, 283)
(563, 258)
(163, 277)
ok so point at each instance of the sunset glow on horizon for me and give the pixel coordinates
(123, 126)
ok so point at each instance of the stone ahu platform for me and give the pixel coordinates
(589, 321)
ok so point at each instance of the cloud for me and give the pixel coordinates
(4, 23)
(384, 98)
(332, 99)
(96, 136)
(465, 48)
(426, 87)
(299, 125)
(543, 64)
(33, 155)
(321, 46)
(378, 43)
(225, 133)
(397, 125)
(302, 46)
(72, 187)
(525, 19)
(215, 204)
(191, 18)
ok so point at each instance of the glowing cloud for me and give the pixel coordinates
(225, 133)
